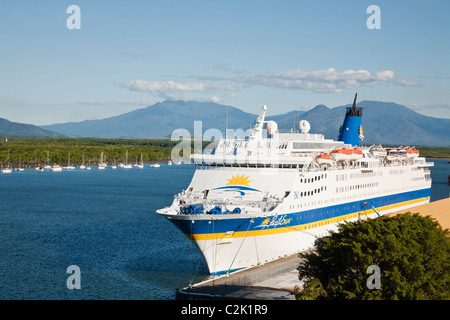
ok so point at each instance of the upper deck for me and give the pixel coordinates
(271, 148)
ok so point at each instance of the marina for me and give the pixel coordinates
(101, 166)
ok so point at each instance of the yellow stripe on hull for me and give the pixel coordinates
(268, 231)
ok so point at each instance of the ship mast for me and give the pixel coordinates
(258, 128)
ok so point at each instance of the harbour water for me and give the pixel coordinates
(104, 222)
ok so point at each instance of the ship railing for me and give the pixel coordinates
(265, 205)
(239, 167)
(304, 167)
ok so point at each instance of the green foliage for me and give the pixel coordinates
(312, 290)
(434, 152)
(412, 252)
(33, 151)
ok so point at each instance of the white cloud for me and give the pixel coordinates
(426, 106)
(113, 102)
(384, 75)
(323, 81)
(179, 90)
(215, 99)
(157, 87)
(328, 81)
(404, 83)
(222, 67)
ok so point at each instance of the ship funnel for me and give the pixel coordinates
(351, 130)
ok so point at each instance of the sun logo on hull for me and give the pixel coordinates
(238, 180)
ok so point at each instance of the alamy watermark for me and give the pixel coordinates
(74, 280)
(374, 280)
(374, 21)
(74, 20)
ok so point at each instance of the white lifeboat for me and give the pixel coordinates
(378, 151)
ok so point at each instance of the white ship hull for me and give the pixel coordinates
(232, 241)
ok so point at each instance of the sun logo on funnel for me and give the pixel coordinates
(238, 180)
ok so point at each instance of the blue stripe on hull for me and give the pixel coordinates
(296, 218)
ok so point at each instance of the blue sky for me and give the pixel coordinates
(285, 54)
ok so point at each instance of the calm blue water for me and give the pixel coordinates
(104, 222)
(440, 189)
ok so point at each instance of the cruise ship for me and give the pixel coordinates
(272, 194)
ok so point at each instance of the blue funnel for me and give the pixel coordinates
(351, 130)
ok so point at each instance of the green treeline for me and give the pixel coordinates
(435, 152)
(33, 151)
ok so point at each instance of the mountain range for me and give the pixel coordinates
(9, 128)
(383, 122)
(159, 120)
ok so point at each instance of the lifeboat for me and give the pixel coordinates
(345, 154)
(324, 158)
(412, 152)
(357, 153)
(341, 154)
(378, 151)
(402, 152)
(392, 154)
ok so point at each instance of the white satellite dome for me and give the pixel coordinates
(272, 127)
(304, 126)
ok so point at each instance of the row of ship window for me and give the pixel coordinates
(321, 213)
(316, 178)
(356, 187)
(311, 192)
(397, 171)
(345, 176)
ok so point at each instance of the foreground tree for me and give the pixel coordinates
(411, 253)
